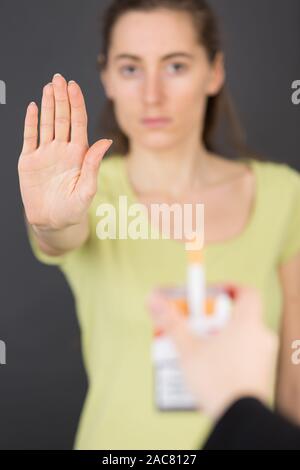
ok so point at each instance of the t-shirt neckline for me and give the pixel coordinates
(129, 191)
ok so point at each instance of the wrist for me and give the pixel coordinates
(41, 229)
(236, 395)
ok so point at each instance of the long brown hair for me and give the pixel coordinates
(222, 131)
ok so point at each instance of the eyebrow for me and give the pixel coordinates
(164, 58)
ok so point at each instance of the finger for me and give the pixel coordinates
(248, 305)
(231, 289)
(168, 318)
(272, 344)
(62, 109)
(30, 129)
(47, 115)
(247, 302)
(78, 114)
(87, 183)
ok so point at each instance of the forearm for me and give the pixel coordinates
(288, 378)
(288, 373)
(57, 242)
(249, 425)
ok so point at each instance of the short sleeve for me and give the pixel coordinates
(291, 239)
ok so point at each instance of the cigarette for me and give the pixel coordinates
(196, 285)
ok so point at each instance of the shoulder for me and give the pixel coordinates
(278, 178)
(277, 170)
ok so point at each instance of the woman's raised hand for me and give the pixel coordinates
(58, 174)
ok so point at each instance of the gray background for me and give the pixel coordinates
(42, 387)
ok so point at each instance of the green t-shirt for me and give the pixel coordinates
(110, 280)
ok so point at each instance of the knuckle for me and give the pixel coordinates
(62, 120)
(30, 138)
(78, 106)
(46, 125)
(47, 107)
(79, 123)
(62, 99)
(88, 192)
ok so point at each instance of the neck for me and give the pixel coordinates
(172, 170)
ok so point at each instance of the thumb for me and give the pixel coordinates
(247, 302)
(87, 183)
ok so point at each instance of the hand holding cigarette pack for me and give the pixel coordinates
(207, 310)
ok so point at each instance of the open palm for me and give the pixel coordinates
(58, 174)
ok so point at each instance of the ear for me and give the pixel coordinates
(217, 75)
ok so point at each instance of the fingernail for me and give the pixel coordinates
(232, 292)
(48, 88)
(71, 81)
(56, 75)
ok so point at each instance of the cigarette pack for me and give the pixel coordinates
(170, 390)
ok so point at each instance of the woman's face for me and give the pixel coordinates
(157, 69)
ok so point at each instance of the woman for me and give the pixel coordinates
(160, 59)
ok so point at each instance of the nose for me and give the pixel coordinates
(152, 89)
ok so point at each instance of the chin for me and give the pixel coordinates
(158, 140)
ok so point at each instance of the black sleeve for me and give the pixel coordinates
(249, 425)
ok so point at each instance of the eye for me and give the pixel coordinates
(178, 66)
(128, 70)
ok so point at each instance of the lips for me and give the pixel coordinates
(157, 121)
